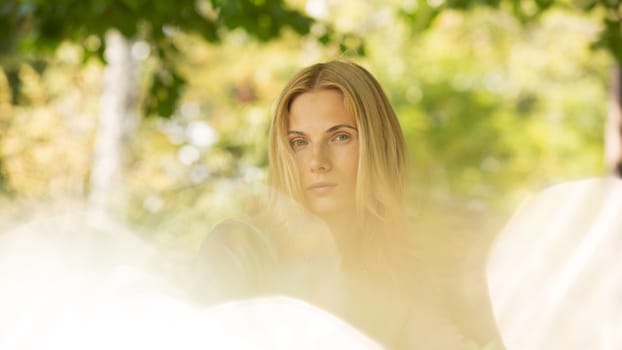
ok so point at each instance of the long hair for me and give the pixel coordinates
(381, 259)
(381, 170)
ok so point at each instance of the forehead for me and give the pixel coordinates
(319, 108)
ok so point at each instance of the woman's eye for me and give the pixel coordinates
(341, 137)
(296, 143)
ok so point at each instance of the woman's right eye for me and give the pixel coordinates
(297, 143)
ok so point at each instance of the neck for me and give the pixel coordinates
(340, 223)
(343, 227)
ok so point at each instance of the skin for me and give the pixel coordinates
(325, 140)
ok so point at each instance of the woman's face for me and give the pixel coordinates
(324, 138)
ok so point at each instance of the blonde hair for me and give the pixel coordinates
(381, 173)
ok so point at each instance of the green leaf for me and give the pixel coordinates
(164, 92)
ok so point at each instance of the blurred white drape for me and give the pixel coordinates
(555, 272)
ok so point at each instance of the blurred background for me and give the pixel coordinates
(156, 113)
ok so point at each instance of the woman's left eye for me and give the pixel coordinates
(341, 137)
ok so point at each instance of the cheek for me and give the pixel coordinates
(299, 162)
(302, 167)
(351, 166)
(354, 168)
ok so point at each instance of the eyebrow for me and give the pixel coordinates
(331, 129)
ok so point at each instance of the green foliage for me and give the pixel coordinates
(32, 27)
(422, 13)
(164, 92)
(35, 24)
(490, 107)
(36, 28)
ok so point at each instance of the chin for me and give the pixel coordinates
(326, 208)
(323, 210)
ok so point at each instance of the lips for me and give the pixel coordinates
(321, 187)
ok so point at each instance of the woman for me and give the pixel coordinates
(336, 146)
(337, 149)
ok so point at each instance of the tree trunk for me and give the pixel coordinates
(5, 122)
(613, 128)
(116, 120)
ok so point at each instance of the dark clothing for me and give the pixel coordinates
(395, 303)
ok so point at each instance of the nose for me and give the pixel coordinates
(320, 159)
